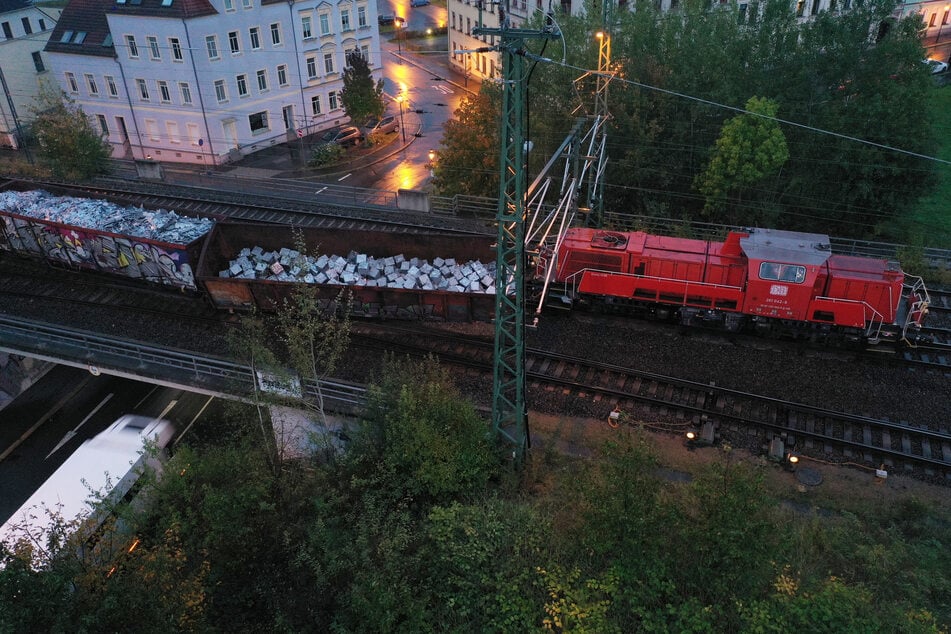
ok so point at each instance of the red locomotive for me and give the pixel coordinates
(779, 282)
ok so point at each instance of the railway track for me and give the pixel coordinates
(29, 279)
(252, 207)
(831, 435)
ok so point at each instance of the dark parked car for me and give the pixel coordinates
(389, 18)
(347, 135)
(418, 3)
(384, 125)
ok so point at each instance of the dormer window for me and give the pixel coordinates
(66, 37)
(80, 37)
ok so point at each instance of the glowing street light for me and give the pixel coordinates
(399, 40)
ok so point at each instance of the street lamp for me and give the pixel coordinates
(399, 40)
(399, 100)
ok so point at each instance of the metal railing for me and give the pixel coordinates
(123, 357)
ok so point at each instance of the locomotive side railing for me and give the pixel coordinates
(576, 278)
(874, 320)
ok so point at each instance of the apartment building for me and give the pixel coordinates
(25, 72)
(208, 81)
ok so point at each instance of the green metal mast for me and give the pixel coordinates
(509, 409)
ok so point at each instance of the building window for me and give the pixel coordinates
(332, 98)
(247, 4)
(186, 91)
(931, 22)
(305, 25)
(211, 43)
(242, 85)
(328, 63)
(111, 86)
(255, 34)
(143, 89)
(282, 75)
(944, 18)
(229, 5)
(91, 85)
(345, 19)
(71, 82)
(276, 34)
(27, 27)
(133, 48)
(154, 52)
(42, 24)
(315, 105)
(233, 42)
(7, 31)
(262, 80)
(220, 91)
(38, 62)
(176, 46)
(800, 7)
(164, 91)
(192, 130)
(324, 24)
(258, 121)
(103, 126)
(171, 127)
(365, 52)
(151, 129)
(311, 68)
(361, 17)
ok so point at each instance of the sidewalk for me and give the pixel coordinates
(284, 160)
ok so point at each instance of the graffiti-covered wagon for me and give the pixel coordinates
(155, 245)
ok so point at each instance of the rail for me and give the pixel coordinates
(187, 370)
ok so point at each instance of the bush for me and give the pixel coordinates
(326, 154)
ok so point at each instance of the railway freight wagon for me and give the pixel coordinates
(431, 276)
(154, 245)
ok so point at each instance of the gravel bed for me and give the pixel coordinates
(833, 379)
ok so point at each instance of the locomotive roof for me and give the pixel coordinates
(793, 247)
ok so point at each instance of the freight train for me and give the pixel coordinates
(779, 283)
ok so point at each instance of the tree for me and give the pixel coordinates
(361, 96)
(749, 149)
(69, 143)
(469, 158)
(831, 73)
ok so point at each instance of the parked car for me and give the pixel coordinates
(389, 18)
(935, 66)
(384, 125)
(418, 3)
(345, 136)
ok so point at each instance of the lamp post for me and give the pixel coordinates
(432, 163)
(399, 100)
(399, 40)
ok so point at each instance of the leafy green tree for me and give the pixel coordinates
(829, 73)
(469, 159)
(361, 96)
(750, 149)
(69, 143)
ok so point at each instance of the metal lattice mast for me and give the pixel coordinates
(595, 201)
(509, 409)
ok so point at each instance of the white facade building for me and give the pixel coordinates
(207, 81)
(25, 28)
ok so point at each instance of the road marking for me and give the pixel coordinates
(168, 408)
(443, 89)
(345, 176)
(150, 393)
(319, 191)
(197, 416)
(69, 435)
(19, 441)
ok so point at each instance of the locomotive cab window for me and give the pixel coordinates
(777, 272)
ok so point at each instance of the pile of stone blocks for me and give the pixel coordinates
(102, 215)
(360, 269)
